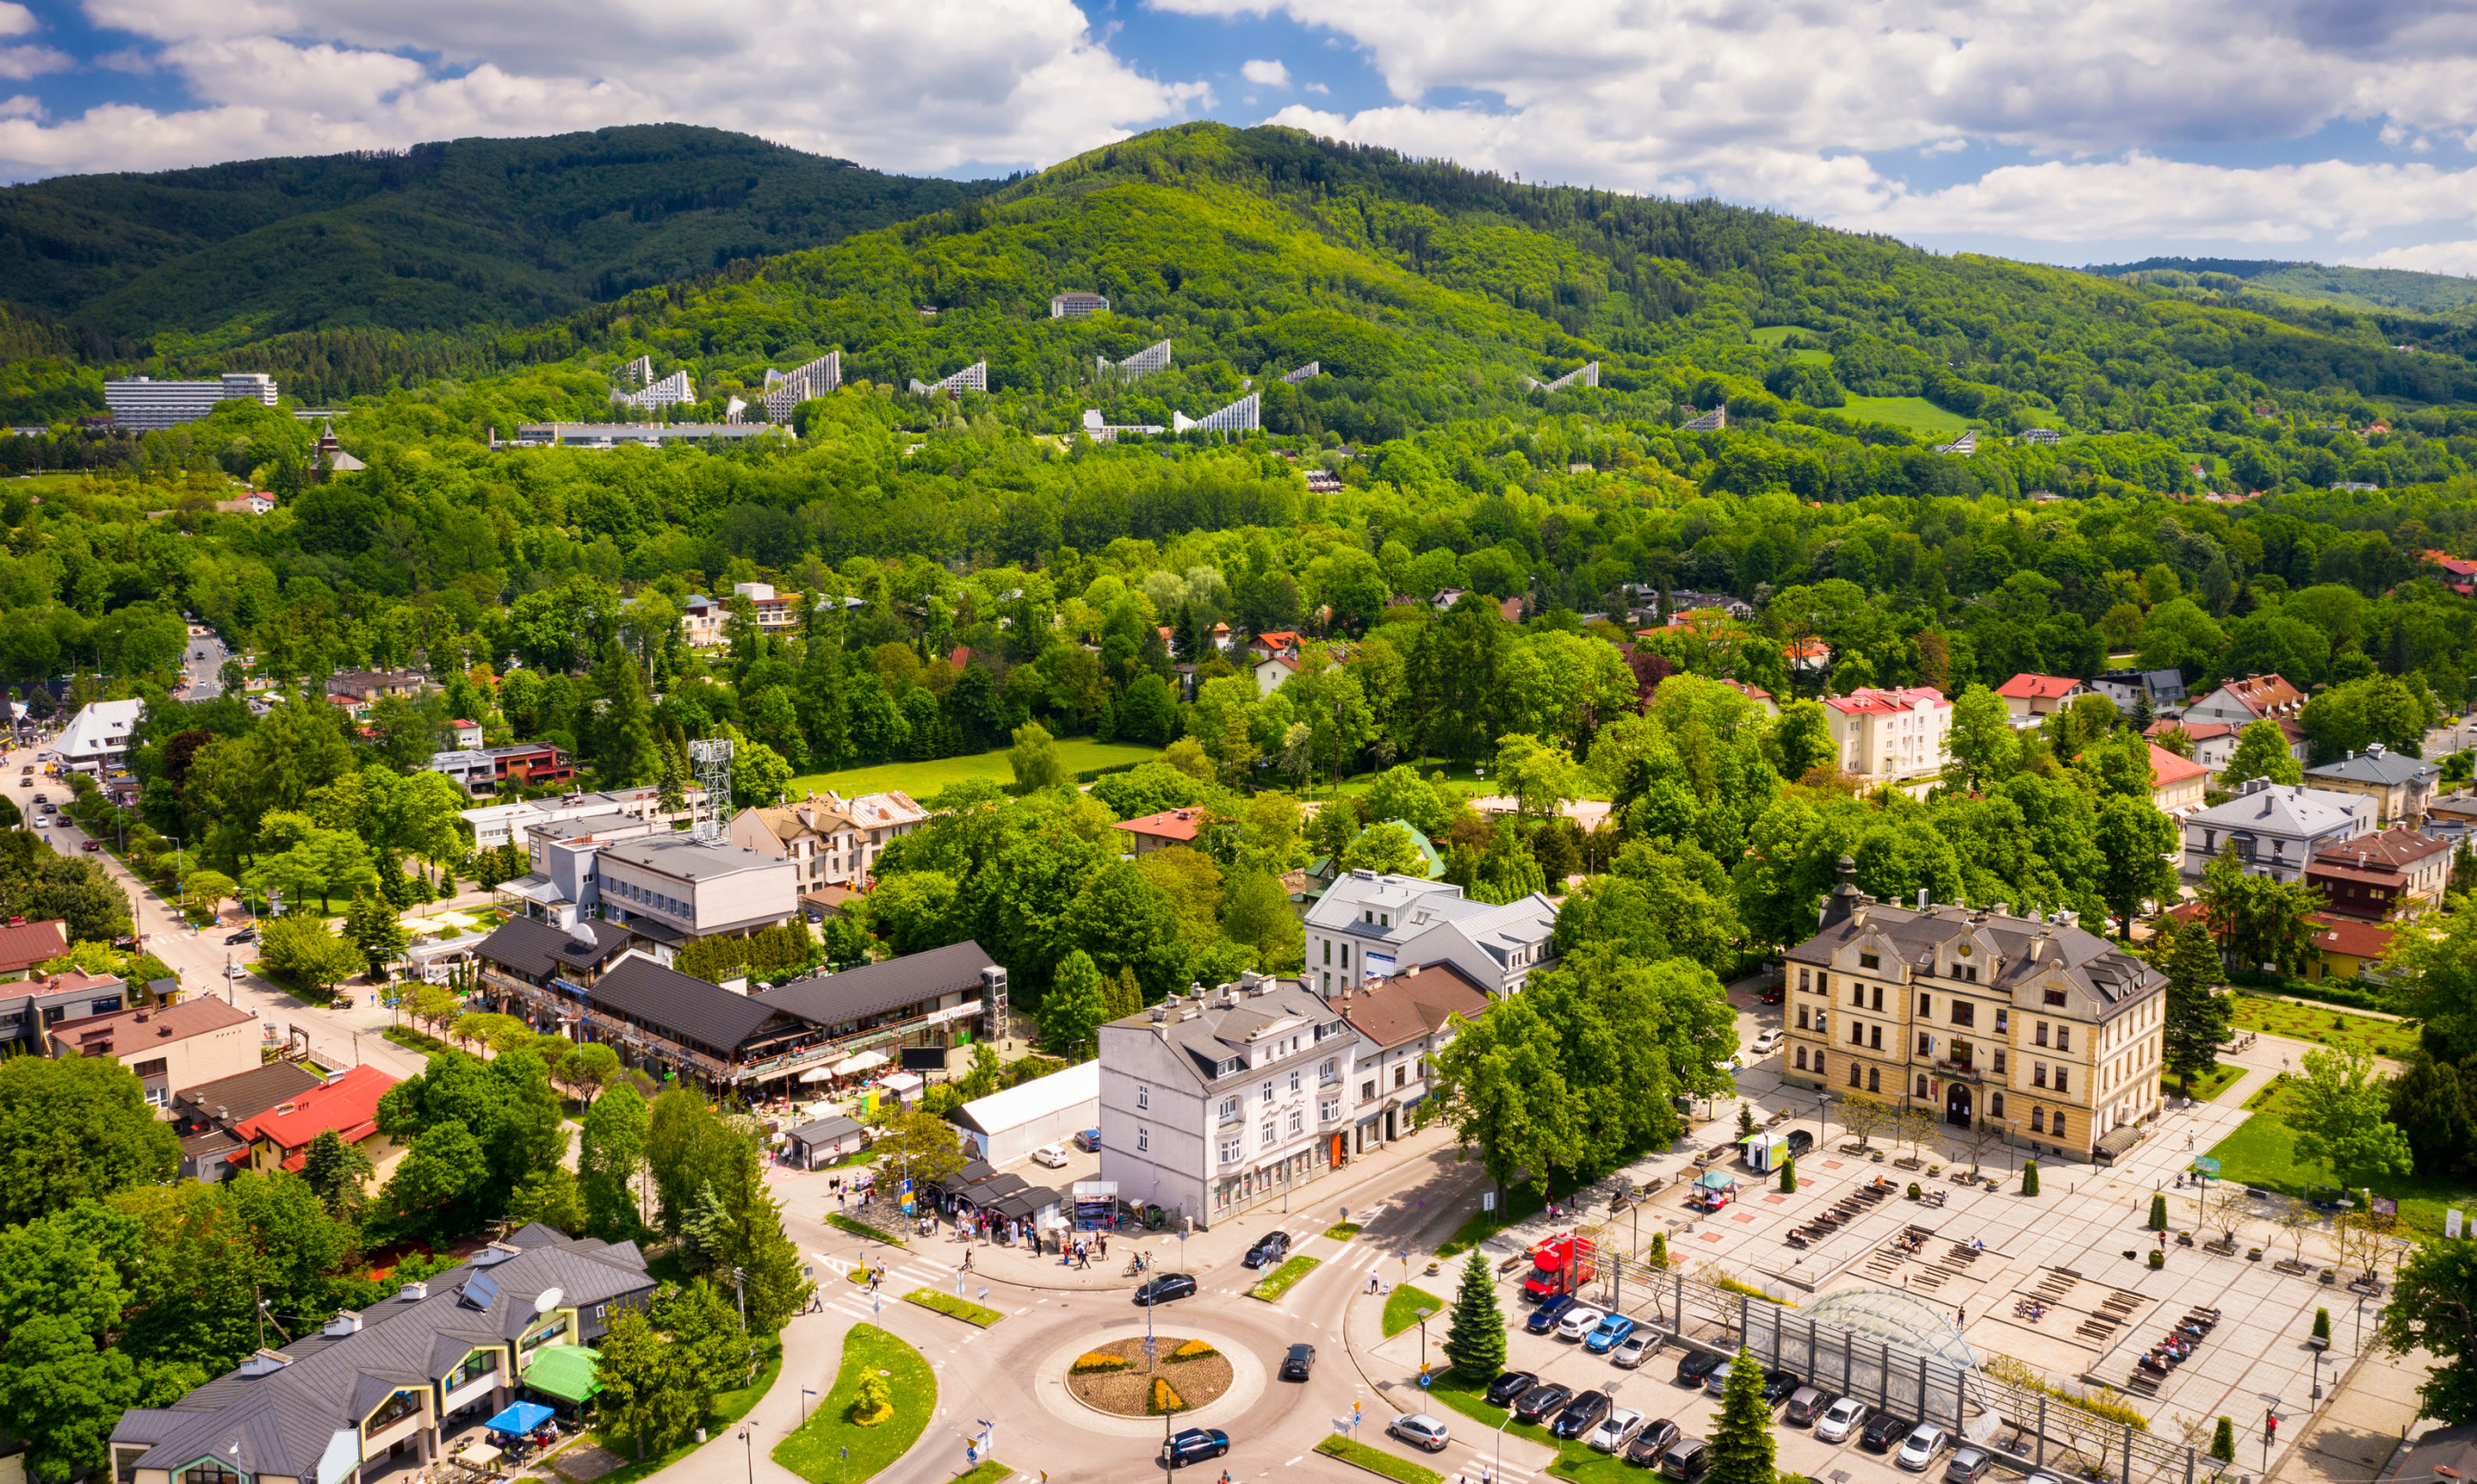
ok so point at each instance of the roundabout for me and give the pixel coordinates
(1195, 1370)
(1063, 1395)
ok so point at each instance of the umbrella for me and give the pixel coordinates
(863, 1062)
(520, 1419)
(818, 1074)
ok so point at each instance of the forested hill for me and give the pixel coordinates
(439, 237)
(2389, 291)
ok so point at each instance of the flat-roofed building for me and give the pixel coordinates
(167, 1047)
(673, 890)
(141, 403)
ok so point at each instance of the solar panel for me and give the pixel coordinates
(479, 1290)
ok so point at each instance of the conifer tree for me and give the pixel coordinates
(1475, 1336)
(1742, 1435)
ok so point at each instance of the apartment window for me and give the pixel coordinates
(2064, 1038)
(1328, 950)
(2059, 1129)
(1367, 1092)
(2062, 1076)
(1229, 1110)
(1143, 1140)
(1926, 1043)
(1268, 1091)
(2038, 1035)
(1801, 1018)
(2003, 1021)
(1994, 1105)
(1298, 1121)
(1853, 1073)
(208, 1472)
(1999, 1061)
(1229, 1151)
(1331, 1071)
(1329, 1109)
(1965, 1012)
(479, 1363)
(2055, 997)
(1857, 996)
(2038, 1121)
(1878, 1042)
(1345, 956)
(152, 1068)
(1144, 1096)
(395, 1409)
(1870, 961)
(102, 1006)
(1805, 979)
(1922, 1086)
(1294, 1080)
(1879, 998)
(1267, 1139)
(1874, 1080)
(1926, 1005)
(1823, 983)
(2038, 1074)
(1401, 1074)
(1801, 1058)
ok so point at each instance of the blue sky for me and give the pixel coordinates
(2066, 131)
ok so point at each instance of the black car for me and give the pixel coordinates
(1540, 1400)
(1296, 1365)
(1268, 1249)
(1544, 1318)
(1655, 1439)
(1801, 1141)
(1697, 1367)
(1197, 1444)
(1580, 1415)
(1778, 1384)
(1884, 1431)
(1502, 1391)
(245, 935)
(1167, 1287)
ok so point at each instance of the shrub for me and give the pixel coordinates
(1913, 1190)
(2223, 1441)
(2029, 1177)
(1192, 1350)
(1789, 1175)
(1164, 1399)
(1096, 1362)
(2322, 1326)
(2158, 1259)
(2158, 1213)
(1660, 1249)
(875, 1403)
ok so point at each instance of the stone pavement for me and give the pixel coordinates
(2361, 1423)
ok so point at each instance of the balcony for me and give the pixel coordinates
(1946, 1067)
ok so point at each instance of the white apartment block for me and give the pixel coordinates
(1891, 735)
(142, 402)
(1211, 1106)
(1239, 416)
(1365, 926)
(672, 390)
(786, 390)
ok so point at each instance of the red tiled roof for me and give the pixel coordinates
(24, 944)
(2394, 848)
(2168, 768)
(1167, 825)
(349, 1105)
(2456, 566)
(2026, 686)
(2340, 935)
(1885, 703)
(2263, 694)
(1750, 692)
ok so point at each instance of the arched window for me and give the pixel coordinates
(1996, 1104)
(2038, 1121)
(2060, 1124)
(1922, 1084)
(1874, 1080)
(1801, 1058)
(1853, 1073)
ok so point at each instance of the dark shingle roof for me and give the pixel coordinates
(248, 1094)
(2026, 947)
(541, 950)
(666, 998)
(837, 999)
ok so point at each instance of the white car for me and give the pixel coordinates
(1579, 1321)
(236, 971)
(1420, 1430)
(1767, 1042)
(1840, 1419)
(1616, 1429)
(1050, 1154)
(1924, 1443)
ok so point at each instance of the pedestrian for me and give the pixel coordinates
(1104, 1240)
(1371, 1282)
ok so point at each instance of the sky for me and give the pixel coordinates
(2063, 131)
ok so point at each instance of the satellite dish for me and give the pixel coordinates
(549, 1301)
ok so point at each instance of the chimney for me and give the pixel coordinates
(345, 1323)
(414, 1292)
(1923, 898)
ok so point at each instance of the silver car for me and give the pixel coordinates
(1634, 1349)
(1925, 1441)
(1843, 1418)
(1616, 1429)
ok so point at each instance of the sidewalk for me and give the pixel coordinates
(2361, 1423)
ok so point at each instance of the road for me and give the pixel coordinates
(205, 663)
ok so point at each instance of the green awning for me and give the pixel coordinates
(566, 1372)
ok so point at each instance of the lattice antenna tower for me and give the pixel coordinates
(709, 759)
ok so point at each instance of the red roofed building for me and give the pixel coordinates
(2029, 697)
(2176, 784)
(280, 1137)
(2344, 948)
(2255, 698)
(1889, 736)
(1758, 695)
(23, 945)
(2459, 574)
(2375, 877)
(1160, 831)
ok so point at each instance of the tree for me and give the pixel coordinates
(2431, 1103)
(917, 1147)
(647, 1393)
(686, 1143)
(335, 1171)
(1074, 1005)
(2261, 752)
(2432, 1308)
(1385, 849)
(1865, 1115)
(374, 929)
(1984, 749)
(75, 1128)
(609, 1156)
(300, 949)
(2339, 1110)
(2197, 1016)
(1743, 1450)
(1035, 759)
(549, 1196)
(585, 1069)
(441, 1187)
(1802, 739)
(1475, 1334)
(2257, 918)
(2135, 843)
(2229, 1209)
(2435, 980)
(432, 1004)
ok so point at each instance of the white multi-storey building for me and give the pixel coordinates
(1891, 735)
(1366, 925)
(786, 390)
(672, 390)
(1213, 1106)
(142, 402)
(1239, 416)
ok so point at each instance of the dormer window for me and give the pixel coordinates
(1870, 961)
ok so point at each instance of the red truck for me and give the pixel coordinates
(1560, 1265)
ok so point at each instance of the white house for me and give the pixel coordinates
(1365, 926)
(1403, 1022)
(1009, 1124)
(1212, 1106)
(98, 736)
(2276, 829)
(1891, 735)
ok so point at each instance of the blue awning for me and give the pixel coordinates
(522, 1417)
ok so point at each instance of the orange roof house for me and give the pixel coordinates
(280, 1137)
(1160, 831)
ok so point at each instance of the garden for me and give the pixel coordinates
(2347, 1030)
(881, 1403)
(2262, 1153)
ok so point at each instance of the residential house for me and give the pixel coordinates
(24, 945)
(2274, 829)
(1807, 657)
(255, 503)
(675, 889)
(279, 1135)
(2029, 697)
(1075, 304)
(2129, 688)
(2459, 574)
(376, 1391)
(2215, 742)
(2344, 948)
(1758, 695)
(1162, 831)
(813, 835)
(204, 1116)
(2380, 874)
(31, 1006)
(468, 735)
(1212, 1106)
(1403, 1022)
(2032, 1026)
(1365, 926)
(96, 739)
(2177, 785)
(704, 622)
(564, 885)
(1891, 735)
(355, 691)
(2256, 698)
(167, 1047)
(877, 821)
(2402, 787)
(485, 770)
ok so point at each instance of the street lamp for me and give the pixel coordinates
(1423, 1340)
(748, 1446)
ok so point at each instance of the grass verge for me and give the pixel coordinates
(1402, 1308)
(1282, 1279)
(407, 1037)
(920, 780)
(1576, 1461)
(813, 1449)
(1376, 1460)
(2208, 1087)
(860, 1228)
(979, 1315)
(729, 1407)
(2262, 1153)
(988, 1471)
(1521, 1203)
(2332, 1026)
(1342, 1231)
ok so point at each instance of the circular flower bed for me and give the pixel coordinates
(1193, 1382)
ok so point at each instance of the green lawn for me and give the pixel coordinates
(813, 1451)
(988, 1471)
(979, 1315)
(1402, 1308)
(860, 1228)
(920, 780)
(1342, 1231)
(729, 1407)
(2262, 1153)
(1574, 1460)
(1282, 1279)
(1915, 413)
(2206, 1088)
(2345, 1029)
(1378, 1461)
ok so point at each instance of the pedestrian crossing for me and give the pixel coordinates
(839, 1293)
(1483, 1469)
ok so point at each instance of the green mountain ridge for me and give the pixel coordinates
(2399, 289)
(436, 237)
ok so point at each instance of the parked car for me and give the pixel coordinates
(1537, 1403)
(236, 971)
(1687, 1460)
(1050, 1155)
(1296, 1365)
(1544, 1318)
(1779, 1385)
(1924, 1441)
(1635, 1348)
(1885, 1431)
(1605, 1335)
(1767, 1041)
(1805, 1405)
(1717, 1382)
(1197, 1444)
(1579, 1414)
(1839, 1420)
(1420, 1430)
(1644, 1451)
(1268, 1249)
(91, 845)
(1088, 1141)
(1616, 1429)
(1776, 994)
(1968, 1466)
(1800, 1140)
(245, 935)
(1164, 1289)
(1694, 1365)
(1577, 1322)
(1502, 1391)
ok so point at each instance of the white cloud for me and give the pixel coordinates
(24, 61)
(2459, 257)
(15, 20)
(932, 85)
(1317, 87)
(1265, 74)
(22, 106)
